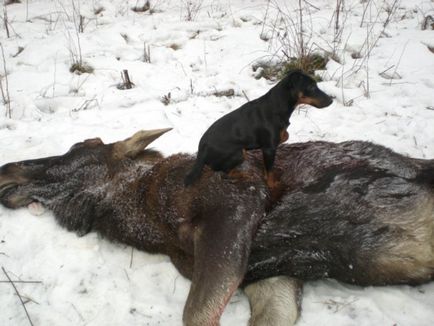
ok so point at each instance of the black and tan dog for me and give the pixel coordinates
(258, 124)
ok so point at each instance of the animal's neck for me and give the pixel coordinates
(282, 99)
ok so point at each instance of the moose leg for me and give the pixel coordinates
(222, 243)
(274, 301)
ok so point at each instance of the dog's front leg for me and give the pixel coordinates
(222, 241)
(269, 154)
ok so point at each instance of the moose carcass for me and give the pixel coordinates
(353, 211)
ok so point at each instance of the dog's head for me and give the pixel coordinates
(305, 90)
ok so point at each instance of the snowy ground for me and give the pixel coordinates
(88, 281)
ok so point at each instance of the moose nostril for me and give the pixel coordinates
(10, 176)
(4, 187)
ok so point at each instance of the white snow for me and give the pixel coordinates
(89, 281)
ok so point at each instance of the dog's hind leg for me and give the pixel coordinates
(274, 301)
(196, 171)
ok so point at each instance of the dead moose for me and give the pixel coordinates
(353, 211)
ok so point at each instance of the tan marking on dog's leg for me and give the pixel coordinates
(274, 301)
(283, 136)
(245, 154)
(270, 180)
(236, 173)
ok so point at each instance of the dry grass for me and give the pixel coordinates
(98, 10)
(428, 23)
(140, 9)
(81, 68)
(275, 71)
(174, 46)
(10, 2)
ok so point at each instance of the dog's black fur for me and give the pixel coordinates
(258, 124)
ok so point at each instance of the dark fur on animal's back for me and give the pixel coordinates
(367, 192)
(258, 124)
(353, 211)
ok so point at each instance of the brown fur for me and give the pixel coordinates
(354, 211)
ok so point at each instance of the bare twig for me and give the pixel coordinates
(245, 95)
(368, 95)
(166, 99)
(428, 23)
(5, 20)
(5, 89)
(81, 24)
(19, 296)
(386, 70)
(301, 38)
(126, 81)
(131, 257)
(314, 7)
(86, 104)
(338, 305)
(192, 9)
(28, 299)
(372, 45)
(126, 274)
(76, 12)
(399, 62)
(364, 12)
(262, 35)
(20, 49)
(146, 53)
(27, 282)
(174, 284)
(78, 312)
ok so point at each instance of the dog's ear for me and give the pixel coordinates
(293, 82)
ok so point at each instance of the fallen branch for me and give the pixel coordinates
(19, 296)
(31, 282)
(227, 93)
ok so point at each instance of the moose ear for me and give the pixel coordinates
(134, 145)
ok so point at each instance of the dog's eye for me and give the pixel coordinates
(311, 89)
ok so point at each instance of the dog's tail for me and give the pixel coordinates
(196, 171)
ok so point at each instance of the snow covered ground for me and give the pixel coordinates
(89, 281)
